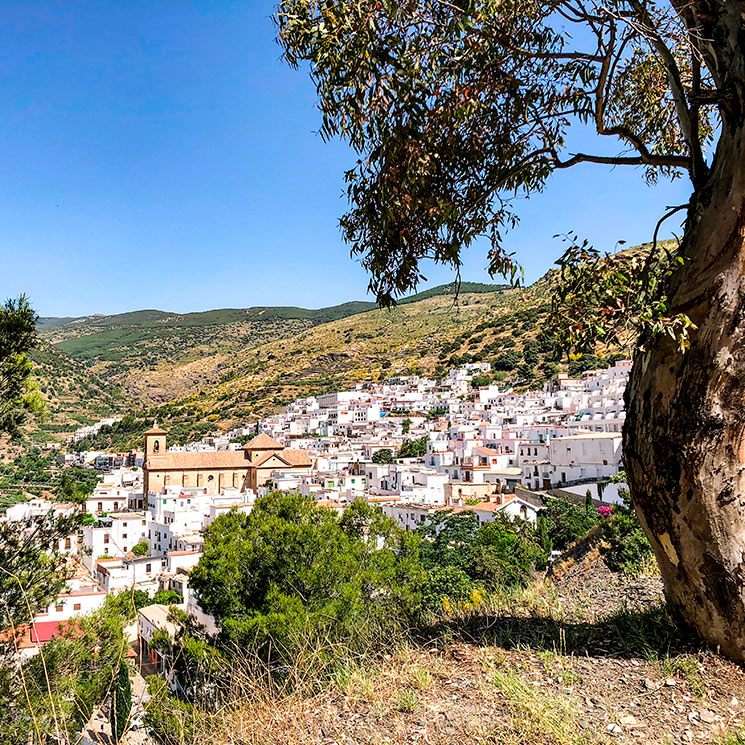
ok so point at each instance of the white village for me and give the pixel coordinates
(410, 445)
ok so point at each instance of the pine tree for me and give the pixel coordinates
(121, 704)
(543, 537)
(588, 499)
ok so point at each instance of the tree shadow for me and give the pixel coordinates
(653, 632)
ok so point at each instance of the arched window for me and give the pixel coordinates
(156, 445)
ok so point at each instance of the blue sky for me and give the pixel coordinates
(160, 155)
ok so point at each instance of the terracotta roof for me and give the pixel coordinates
(263, 442)
(43, 631)
(201, 460)
(156, 430)
(290, 457)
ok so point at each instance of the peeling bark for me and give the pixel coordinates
(684, 437)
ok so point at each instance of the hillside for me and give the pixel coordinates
(588, 658)
(74, 395)
(157, 356)
(426, 336)
(204, 371)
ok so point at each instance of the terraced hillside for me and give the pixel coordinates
(75, 396)
(156, 356)
(505, 327)
(424, 337)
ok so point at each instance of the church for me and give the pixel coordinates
(243, 469)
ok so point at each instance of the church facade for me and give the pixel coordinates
(243, 469)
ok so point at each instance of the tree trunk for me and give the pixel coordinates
(684, 436)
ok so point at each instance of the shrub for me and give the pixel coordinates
(567, 521)
(444, 586)
(167, 597)
(506, 361)
(627, 548)
(141, 548)
(502, 553)
(383, 457)
(290, 569)
(416, 448)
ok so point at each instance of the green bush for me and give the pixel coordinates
(628, 549)
(416, 448)
(290, 569)
(383, 456)
(167, 597)
(497, 554)
(448, 584)
(567, 521)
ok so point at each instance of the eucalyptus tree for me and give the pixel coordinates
(456, 107)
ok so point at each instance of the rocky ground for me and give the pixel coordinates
(587, 657)
(590, 657)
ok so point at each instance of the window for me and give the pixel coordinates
(58, 608)
(148, 568)
(106, 537)
(125, 549)
(124, 535)
(76, 606)
(106, 552)
(156, 446)
(68, 543)
(100, 507)
(143, 522)
(210, 478)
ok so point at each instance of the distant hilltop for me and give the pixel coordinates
(158, 318)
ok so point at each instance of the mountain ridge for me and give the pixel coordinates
(154, 316)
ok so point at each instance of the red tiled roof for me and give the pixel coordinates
(42, 631)
(263, 442)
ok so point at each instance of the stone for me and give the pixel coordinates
(670, 682)
(628, 721)
(708, 716)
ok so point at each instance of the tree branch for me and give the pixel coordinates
(690, 133)
(663, 161)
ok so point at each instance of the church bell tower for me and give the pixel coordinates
(155, 442)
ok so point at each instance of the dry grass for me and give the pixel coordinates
(521, 670)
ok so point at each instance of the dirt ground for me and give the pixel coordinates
(591, 657)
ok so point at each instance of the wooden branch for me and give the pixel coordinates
(663, 161)
(697, 168)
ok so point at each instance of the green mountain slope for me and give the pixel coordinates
(156, 356)
(505, 327)
(74, 395)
